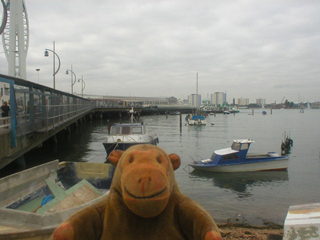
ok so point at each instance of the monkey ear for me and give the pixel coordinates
(175, 160)
(114, 157)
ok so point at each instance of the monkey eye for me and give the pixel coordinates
(159, 160)
(131, 160)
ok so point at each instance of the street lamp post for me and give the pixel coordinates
(38, 70)
(83, 85)
(46, 54)
(75, 78)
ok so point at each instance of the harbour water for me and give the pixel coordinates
(255, 198)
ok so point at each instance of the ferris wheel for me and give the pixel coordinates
(15, 36)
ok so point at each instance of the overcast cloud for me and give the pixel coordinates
(248, 48)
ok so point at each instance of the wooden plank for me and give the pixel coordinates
(77, 195)
(55, 189)
(92, 170)
(32, 205)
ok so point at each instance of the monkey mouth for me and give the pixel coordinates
(146, 197)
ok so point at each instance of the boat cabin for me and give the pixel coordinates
(128, 129)
(237, 151)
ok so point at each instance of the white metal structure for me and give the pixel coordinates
(15, 38)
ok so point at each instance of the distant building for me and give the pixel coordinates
(195, 100)
(260, 101)
(219, 98)
(243, 101)
(172, 100)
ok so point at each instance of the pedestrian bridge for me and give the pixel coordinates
(39, 113)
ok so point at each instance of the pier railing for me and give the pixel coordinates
(35, 107)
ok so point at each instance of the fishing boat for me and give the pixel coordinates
(124, 135)
(35, 201)
(237, 159)
(198, 118)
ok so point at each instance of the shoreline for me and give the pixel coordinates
(244, 231)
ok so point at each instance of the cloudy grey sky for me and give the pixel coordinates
(254, 49)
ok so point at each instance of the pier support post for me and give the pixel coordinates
(20, 163)
(54, 139)
(68, 130)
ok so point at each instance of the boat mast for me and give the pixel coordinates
(131, 115)
(197, 93)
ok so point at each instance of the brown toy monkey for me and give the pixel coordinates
(144, 203)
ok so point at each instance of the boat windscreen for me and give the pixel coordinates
(136, 130)
(126, 130)
(235, 146)
(115, 130)
(244, 146)
(213, 156)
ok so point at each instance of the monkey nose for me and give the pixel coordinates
(144, 183)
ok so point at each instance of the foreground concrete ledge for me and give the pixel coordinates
(303, 222)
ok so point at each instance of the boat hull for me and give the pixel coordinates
(271, 165)
(109, 147)
(197, 122)
(21, 203)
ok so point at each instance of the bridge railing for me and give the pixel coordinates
(35, 107)
(3, 124)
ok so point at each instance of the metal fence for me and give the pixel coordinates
(35, 107)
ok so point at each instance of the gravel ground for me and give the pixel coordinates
(241, 231)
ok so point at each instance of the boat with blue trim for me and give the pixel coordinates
(237, 159)
(197, 120)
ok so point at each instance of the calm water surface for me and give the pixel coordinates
(254, 198)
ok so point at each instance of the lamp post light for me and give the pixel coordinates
(75, 78)
(83, 85)
(46, 54)
(38, 70)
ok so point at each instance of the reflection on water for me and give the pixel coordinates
(239, 182)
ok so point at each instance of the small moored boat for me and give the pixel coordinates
(35, 201)
(197, 120)
(124, 135)
(237, 159)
